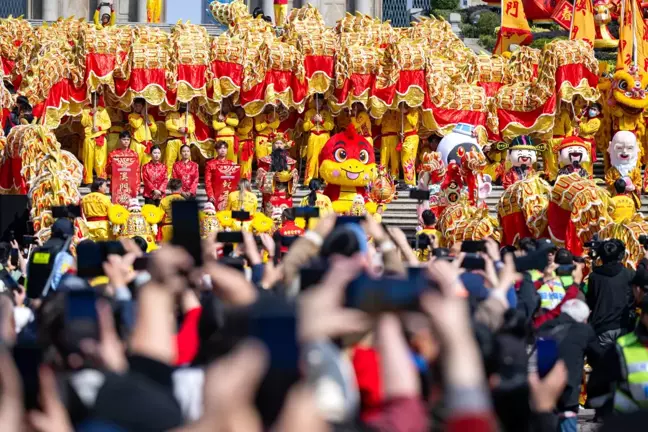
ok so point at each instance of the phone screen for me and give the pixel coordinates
(386, 294)
(473, 262)
(186, 228)
(547, 351)
(229, 237)
(307, 212)
(81, 305)
(343, 220)
(90, 258)
(473, 246)
(275, 324)
(28, 359)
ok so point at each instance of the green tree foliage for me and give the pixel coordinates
(444, 4)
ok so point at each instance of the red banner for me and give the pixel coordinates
(562, 14)
(225, 180)
(125, 181)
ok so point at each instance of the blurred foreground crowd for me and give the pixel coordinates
(341, 329)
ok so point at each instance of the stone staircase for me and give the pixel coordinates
(212, 29)
(402, 211)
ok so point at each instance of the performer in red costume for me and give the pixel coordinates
(155, 178)
(186, 171)
(221, 176)
(277, 177)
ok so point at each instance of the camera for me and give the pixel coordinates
(595, 244)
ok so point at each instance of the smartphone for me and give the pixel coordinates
(473, 262)
(534, 260)
(233, 262)
(420, 195)
(473, 246)
(28, 358)
(229, 237)
(29, 240)
(376, 296)
(90, 259)
(310, 276)
(307, 212)
(547, 353)
(343, 220)
(186, 228)
(441, 253)
(13, 257)
(141, 263)
(240, 215)
(274, 322)
(80, 319)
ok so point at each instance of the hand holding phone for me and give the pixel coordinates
(186, 228)
(547, 354)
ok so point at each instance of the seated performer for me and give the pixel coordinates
(288, 226)
(316, 198)
(165, 228)
(243, 199)
(211, 166)
(186, 171)
(521, 156)
(143, 128)
(624, 206)
(96, 122)
(277, 178)
(94, 207)
(154, 177)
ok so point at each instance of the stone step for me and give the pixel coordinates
(212, 29)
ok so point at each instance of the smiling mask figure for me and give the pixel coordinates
(624, 154)
(522, 157)
(347, 165)
(572, 153)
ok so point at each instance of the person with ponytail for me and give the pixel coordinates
(243, 199)
(316, 198)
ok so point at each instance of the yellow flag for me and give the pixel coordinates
(641, 33)
(515, 27)
(624, 54)
(583, 26)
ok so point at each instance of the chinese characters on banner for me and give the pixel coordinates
(225, 180)
(125, 178)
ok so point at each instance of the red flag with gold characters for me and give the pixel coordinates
(225, 180)
(125, 179)
(562, 14)
(583, 26)
(624, 53)
(515, 27)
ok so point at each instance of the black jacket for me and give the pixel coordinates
(576, 340)
(609, 296)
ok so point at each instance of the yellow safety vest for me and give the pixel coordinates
(552, 293)
(632, 394)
